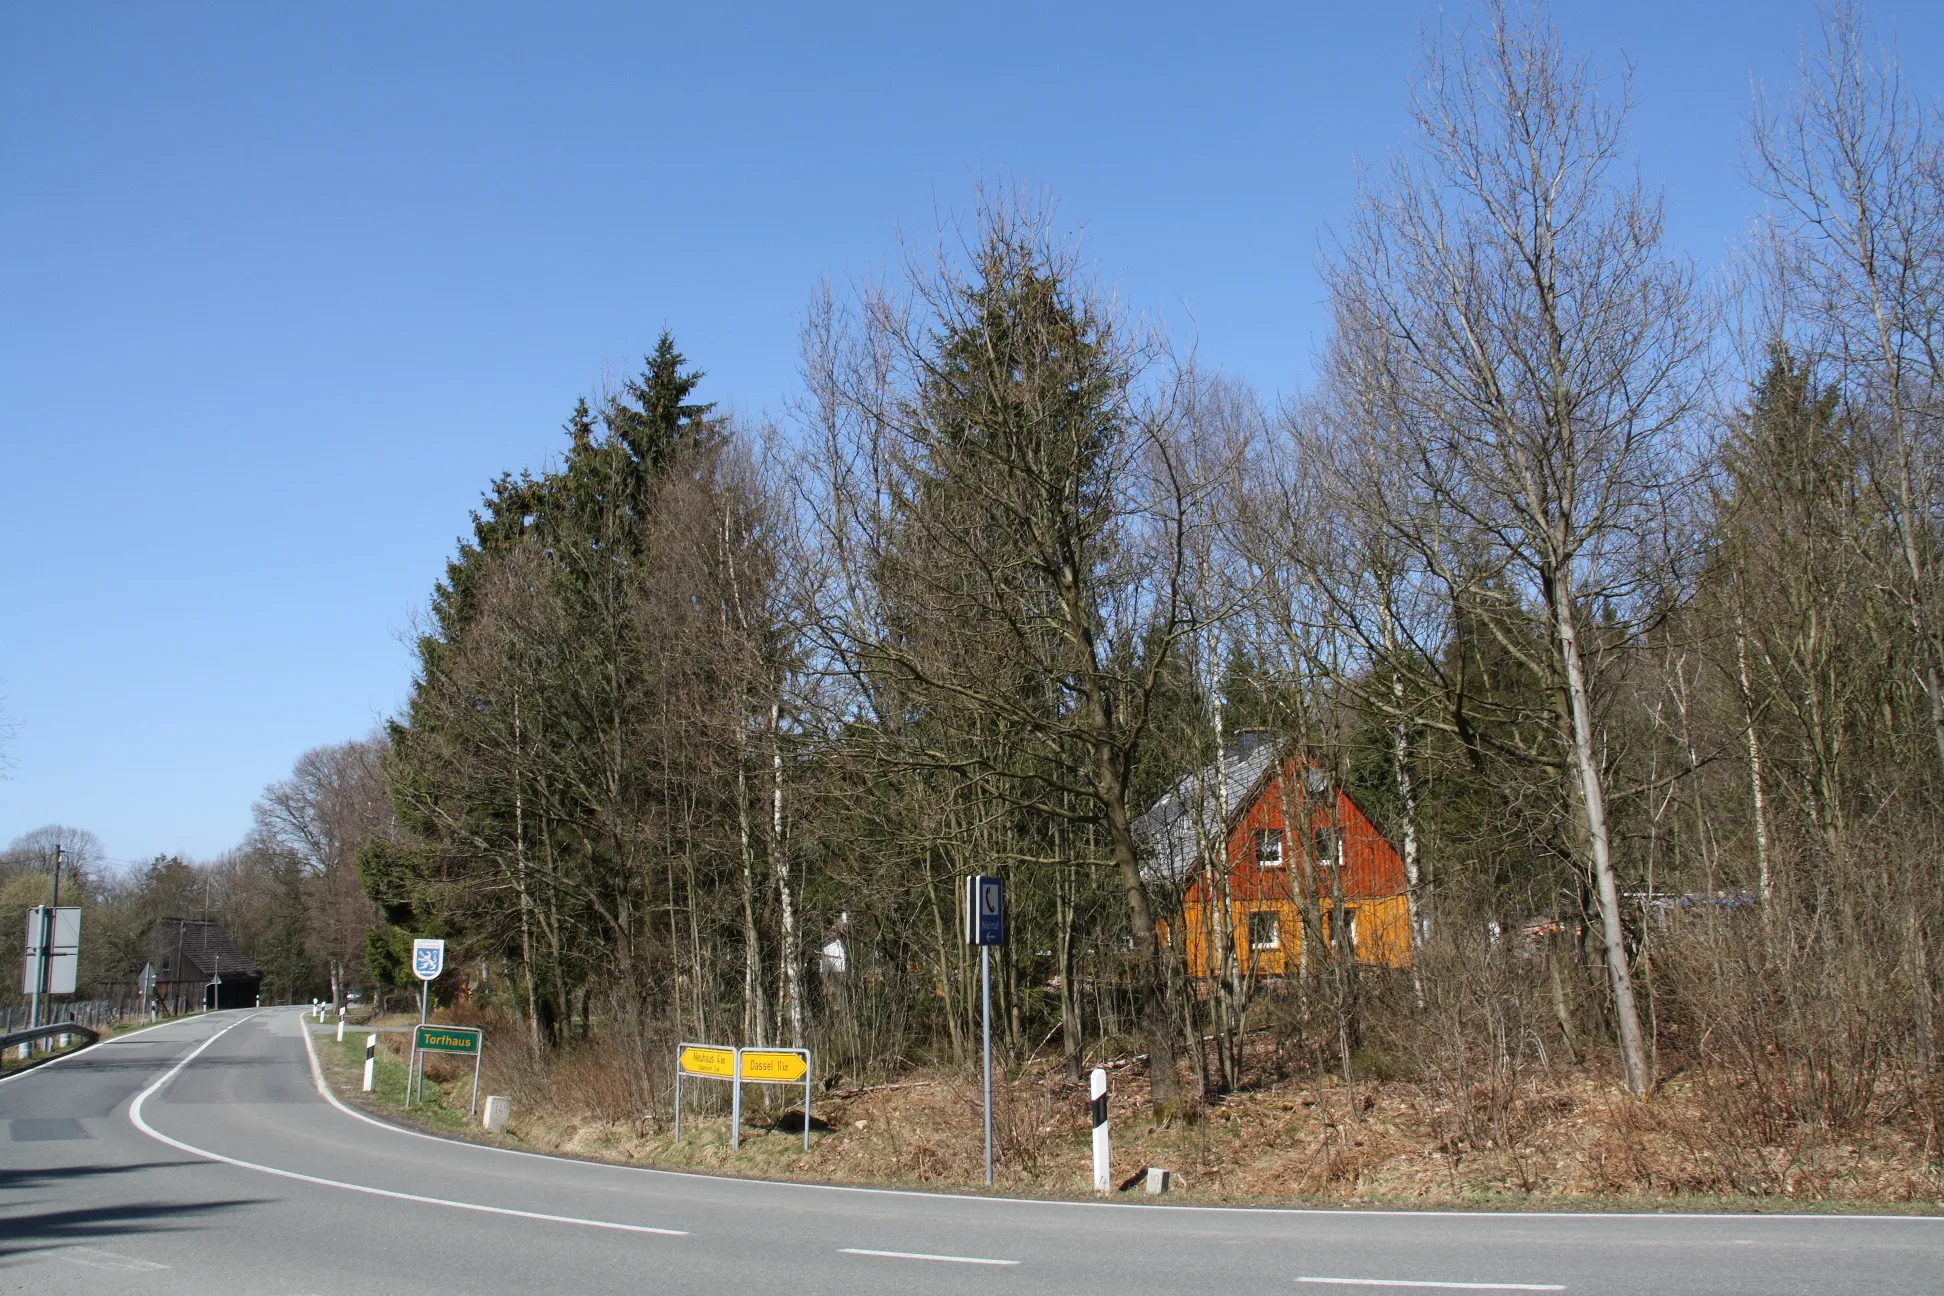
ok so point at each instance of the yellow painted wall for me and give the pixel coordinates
(1383, 934)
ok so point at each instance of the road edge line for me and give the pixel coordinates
(135, 1117)
(323, 1088)
(75, 1053)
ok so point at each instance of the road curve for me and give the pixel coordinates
(200, 1157)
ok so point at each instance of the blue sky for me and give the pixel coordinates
(282, 287)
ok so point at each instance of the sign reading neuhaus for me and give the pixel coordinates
(705, 1060)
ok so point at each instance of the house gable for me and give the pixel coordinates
(1282, 800)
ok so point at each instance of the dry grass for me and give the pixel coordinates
(1576, 1139)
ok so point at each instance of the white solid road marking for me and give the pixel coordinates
(1039, 1202)
(1444, 1286)
(95, 1258)
(920, 1255)
(135, 1115)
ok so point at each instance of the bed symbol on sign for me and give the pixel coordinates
(428, 959)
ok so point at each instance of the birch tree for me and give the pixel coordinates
(1505, 291)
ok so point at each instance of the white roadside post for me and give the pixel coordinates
(371, 1059)
(340, 1038)
(985, 926)
(1097, 1091)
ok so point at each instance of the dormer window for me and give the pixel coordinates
(1268, 848)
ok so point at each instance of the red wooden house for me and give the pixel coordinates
(1251, 833)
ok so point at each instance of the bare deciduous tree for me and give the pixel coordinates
(1504, 292)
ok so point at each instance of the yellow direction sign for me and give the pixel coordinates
(707, 1060)
(784, 1066)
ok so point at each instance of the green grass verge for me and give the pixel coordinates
(441, 1107)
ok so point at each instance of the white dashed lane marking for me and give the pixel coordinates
(921, 1255)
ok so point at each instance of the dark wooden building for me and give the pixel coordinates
(198, 966)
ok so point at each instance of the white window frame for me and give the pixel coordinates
(1333, 919)
(1273, 836)
(1275, 929)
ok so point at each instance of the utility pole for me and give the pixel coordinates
(43, 955)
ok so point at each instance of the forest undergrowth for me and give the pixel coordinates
(1564, 1136)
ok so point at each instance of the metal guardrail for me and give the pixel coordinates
(33, 1035)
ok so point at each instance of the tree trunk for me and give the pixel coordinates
(1592, 797)
(1407, 800)
(1756, 798)
(780, 860)
(1073, 1039)
(755, 1012)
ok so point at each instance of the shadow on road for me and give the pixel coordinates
(24, 1230)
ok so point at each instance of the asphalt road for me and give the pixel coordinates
(199, 1157)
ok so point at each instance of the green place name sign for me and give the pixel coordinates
(448, 1039)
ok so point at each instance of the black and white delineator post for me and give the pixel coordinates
(1097, 1092)
(985, 926)
(371, 1060)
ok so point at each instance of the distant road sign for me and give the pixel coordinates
(779, 1066)
(428, 959)
(61, 958)
(707, 1060)
(448, 1039)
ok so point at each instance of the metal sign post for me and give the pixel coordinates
(985, 926)
(740, 1066)
(53, 955)
(775, 1066)
(41, 943)
(705, 1061)
(428, 960)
